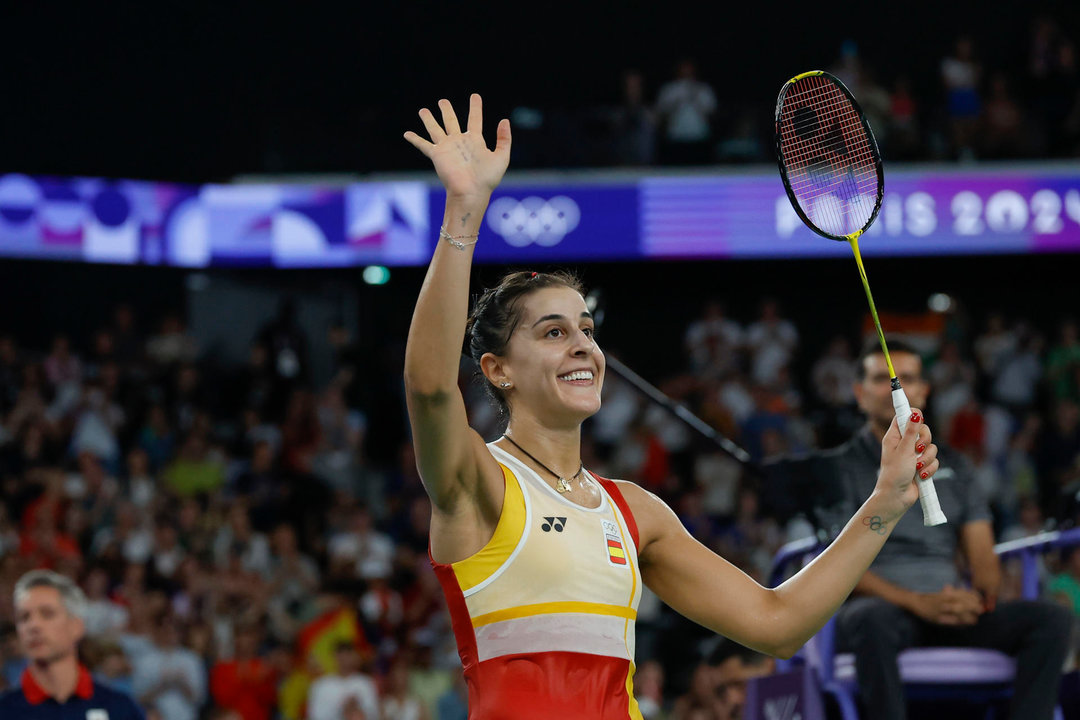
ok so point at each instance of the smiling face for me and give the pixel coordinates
(552, 360)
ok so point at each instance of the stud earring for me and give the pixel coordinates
(504, 384)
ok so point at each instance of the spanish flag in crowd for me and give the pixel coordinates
(315, 655)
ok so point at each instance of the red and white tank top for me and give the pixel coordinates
(544, 613)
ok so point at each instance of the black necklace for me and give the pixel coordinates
(562, 484)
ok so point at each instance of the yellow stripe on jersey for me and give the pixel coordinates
(554, 607)
(616, 552)
(477, 568)
(635, 711)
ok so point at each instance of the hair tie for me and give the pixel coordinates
(533, 276)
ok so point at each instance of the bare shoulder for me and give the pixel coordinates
(653, 516)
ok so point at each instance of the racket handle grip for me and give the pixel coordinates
(931, 508)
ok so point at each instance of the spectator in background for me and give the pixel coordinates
(686, 106)
(172, 345)
(649, 690)
(127, 350)
(287, 346)
(996, 344)
(196, 469)
(772, 341)
(169, 677)
(114, 669)
(1019, 374)
(960, 75)
(904, 136)
(1002, 136)
(953, 380)
(157, 438)
(634, 124)
(366, 551)
(347, 689)
(714, 342)
(1063, 362)
(293, 576)
(1056, 459)
(48, 610)
(912, 593)
(237, 536)
(103, 616)
(62, 367)
(735, 666)
(247, 683)
(398, 703)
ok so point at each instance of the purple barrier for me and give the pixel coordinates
(785, 696)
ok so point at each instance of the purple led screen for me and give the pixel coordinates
(925, 212)
(154, 223)
(556, 223)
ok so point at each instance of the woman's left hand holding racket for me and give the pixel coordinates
(905, 456)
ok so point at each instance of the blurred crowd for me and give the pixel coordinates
(971, 108)
(245, 557)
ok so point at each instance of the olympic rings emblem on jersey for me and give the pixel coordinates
(533, 219)
(875, 523)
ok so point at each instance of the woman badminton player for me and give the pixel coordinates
(542, 562)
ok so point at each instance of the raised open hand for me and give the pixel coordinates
(462, 160)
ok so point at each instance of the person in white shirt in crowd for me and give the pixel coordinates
(331, 694)
(168, 553)
(686, 107)
(238, 534)
(128, 531)
(398, 703)
(1019, 373)
(362, 545)
(294, 577)
(772, 341)
(714, 342)
(833, 374)
(169, 677)
(994, 345)
(102, 615)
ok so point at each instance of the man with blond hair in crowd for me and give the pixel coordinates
(49, 610)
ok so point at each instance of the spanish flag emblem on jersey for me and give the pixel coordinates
(615, 551)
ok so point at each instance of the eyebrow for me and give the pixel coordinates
(585, 314)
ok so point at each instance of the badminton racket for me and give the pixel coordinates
(832, 172)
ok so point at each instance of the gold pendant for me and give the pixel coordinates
(563, 485)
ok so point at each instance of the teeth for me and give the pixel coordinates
(579, 375)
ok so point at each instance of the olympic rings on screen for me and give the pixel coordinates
(533, 219)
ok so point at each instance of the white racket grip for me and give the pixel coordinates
(931, 508)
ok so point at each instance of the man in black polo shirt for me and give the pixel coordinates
(913, 593)
(55, 686)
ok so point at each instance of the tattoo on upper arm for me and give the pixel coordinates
(875, 524)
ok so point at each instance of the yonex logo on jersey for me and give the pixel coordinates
(553, 522)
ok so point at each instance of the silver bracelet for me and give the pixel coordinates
(455, 240)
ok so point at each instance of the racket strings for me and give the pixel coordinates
(829, 156)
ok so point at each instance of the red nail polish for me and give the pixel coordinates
(918, 465)
(916, 417)
(919, 448)
(924, 476)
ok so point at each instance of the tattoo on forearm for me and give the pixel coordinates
(466, 217)
(875, 524)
